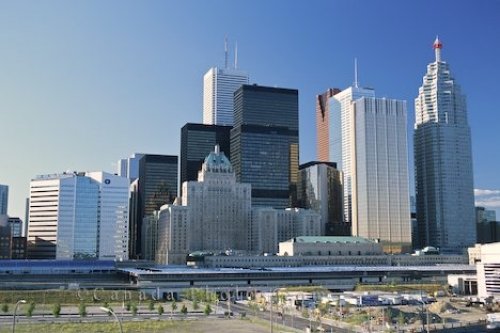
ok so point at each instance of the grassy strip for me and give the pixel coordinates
(429, 288)
(110, 327)
(70, 296)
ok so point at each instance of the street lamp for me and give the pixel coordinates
(108, 310)
(21, 301)
(271, 308)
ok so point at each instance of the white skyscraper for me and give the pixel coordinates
(443, 161)
(380, 194)
(342, 137)
(219, 85)
(129, 167)
(4, 199)
(78, 216)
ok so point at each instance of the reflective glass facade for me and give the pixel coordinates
(320, 189)
(157, 186)
(4, 196)
(443, 163)
(197, 141)
(264, 143)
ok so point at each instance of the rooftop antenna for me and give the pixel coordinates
(225, 52)
(356, 73)
(236, 55)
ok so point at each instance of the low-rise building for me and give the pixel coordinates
(329, 245)
(487, 260)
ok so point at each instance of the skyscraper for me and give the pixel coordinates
(320, 189)
(157, 186)
(323, 124)
(79, 216)
(4, 199)
(129, 167)
(197, 141)
(342, 129)
(215, 214)
(379, 160)
(265, 143)
(443, 161)
(219, 85)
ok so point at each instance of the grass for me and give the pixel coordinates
(429, 288)
(70, 296)
(111, 327)
(205, 325)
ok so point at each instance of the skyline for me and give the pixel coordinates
(77, 81)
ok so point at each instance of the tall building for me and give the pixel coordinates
(320, 189)
(197, 141)
(16, 226)
(265, 143)
(4, 199)
(5, 238)
(379, 160)
(129, 167)
(443, 161)
(157, 186)
(219, 85)
(214, 216)
(323, 124)
(79, 216)
(220, 206)
(342, 146)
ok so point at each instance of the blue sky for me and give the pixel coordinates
(84, 83)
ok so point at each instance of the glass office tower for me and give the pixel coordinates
(265, 143)
(197, 141)
(443, 161)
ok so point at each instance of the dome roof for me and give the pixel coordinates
(216, 161)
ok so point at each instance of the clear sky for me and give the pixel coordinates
(84, 83)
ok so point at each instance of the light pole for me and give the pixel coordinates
(271, 309)
(21, 301)
(108, 310)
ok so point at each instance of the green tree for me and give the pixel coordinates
(128, 306)
(196, 305)
(188, 294)
(184, 310)
(401, 318)
(173, 307)
(5, 308)
(208, 310)
(30, 309)
(56, 310)
(151, 305)
(160, 309)
(133, 308)
(82, 310)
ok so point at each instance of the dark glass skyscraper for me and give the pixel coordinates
(157, 186)
(320, 188)
(265, 143)
(197, 141)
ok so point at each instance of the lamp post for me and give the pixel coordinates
(21, 301)
(108, 310)
(271, 309)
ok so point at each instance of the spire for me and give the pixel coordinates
(356, 73)
(225, 52)
(437, 48)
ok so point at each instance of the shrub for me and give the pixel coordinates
(56, 310)
(82, 310)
